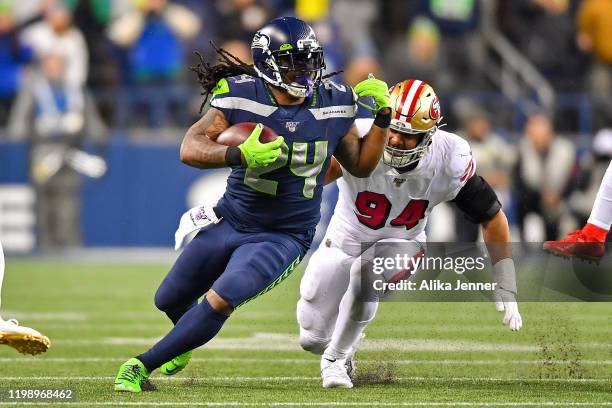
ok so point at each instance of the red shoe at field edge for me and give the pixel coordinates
(582, 243)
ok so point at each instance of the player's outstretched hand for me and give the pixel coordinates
(505, 301)
(377, 89)
(257, 154)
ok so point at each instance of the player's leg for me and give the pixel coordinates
(353, 318)
(199, 265)
(358, 308)
(23, 339)
(324, 283)
(601, 215)
(201, 262)
(253, 269)
(588, 242)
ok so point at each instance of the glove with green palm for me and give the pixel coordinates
(257, 154)
(378, 90)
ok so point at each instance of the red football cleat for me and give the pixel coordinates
(580, 243)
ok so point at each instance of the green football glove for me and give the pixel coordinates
(377, 89)
(257, 154)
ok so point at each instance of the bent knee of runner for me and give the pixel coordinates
(218, 303)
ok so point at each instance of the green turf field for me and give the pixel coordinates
(415, 354)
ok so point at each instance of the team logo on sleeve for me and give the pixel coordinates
(434, 109)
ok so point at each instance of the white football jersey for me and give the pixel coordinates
(390, 204)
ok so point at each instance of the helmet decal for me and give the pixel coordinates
(261, 40)
(434, 109)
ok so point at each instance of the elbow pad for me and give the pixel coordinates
(477, 200)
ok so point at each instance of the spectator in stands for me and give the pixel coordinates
(57, 35)
(542, 175)
(51, 112)
(460, 43)
(417, 55)
(153, 35)
(595, 37)
(13, 55)
(495, 159)
(55, 87)
(239, 19)
(543, 31)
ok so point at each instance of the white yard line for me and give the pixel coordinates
(327, 404)
(284, 342)
(304, 378)
(313, 361)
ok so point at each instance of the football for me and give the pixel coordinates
(238, 133)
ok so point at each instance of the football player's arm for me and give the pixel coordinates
(199, 148)
(360, 156)
(479, 203)
(334, 172)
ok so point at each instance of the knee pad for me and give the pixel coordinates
(314, 330)
(312, 343)
(363, 312)
(165, 297)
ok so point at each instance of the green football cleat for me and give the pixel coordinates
(131, 375)
(176, 364)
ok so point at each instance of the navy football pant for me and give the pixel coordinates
(238, 266)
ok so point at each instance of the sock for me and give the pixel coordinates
(348, 331)
(593, 231)
(175, 315)
(197, 327)
(601, 214)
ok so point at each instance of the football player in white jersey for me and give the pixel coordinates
(422, 166)
(23, 339)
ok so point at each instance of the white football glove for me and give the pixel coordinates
(506, 301)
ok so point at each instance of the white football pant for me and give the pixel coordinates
(601, 214)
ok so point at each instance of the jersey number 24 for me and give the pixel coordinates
(374, 209)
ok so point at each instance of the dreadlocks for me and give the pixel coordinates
(209, 75)
(229, 65)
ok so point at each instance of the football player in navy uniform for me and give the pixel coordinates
(272, 203)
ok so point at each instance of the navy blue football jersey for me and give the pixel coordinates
(285, 195)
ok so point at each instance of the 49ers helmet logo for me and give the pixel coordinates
(434, 109)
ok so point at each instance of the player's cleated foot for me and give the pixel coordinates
(23, 339)
(176, 364)
(131, 376)
(577, 244)
(334, 375)
(350, 365)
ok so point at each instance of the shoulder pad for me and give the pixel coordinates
(241, 86)
(337, 93)
(461, 163)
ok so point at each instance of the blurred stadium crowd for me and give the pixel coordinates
(527, 82)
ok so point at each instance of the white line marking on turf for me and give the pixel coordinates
(22, 360)
(283, 341)
(303, 378)
(329, 404)
(50, 316)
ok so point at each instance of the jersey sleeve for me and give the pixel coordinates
(461, 164)
(220, 100)
(364, 118)
(238, 94)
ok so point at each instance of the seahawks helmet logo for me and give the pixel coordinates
(260, 40)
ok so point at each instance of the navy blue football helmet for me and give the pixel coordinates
(288, 44)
